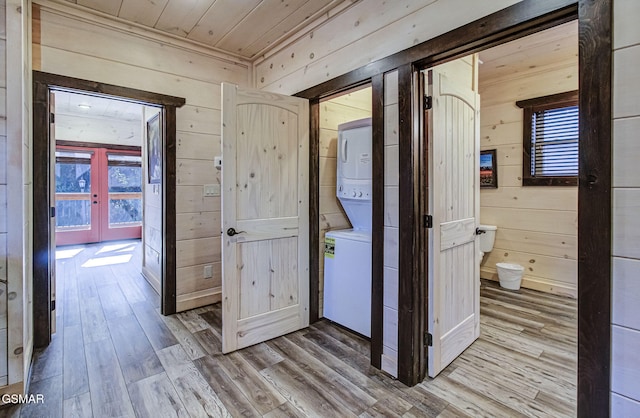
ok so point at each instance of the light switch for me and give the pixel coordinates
(211, 190)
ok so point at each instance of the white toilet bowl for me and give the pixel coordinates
(510, 275)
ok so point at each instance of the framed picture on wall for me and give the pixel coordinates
(154, 151)
(488, 169)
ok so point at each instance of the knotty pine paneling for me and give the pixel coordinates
(537, 226)
(191, 199)
(378, 27)
(97, 49)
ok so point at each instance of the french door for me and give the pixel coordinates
(98, 194)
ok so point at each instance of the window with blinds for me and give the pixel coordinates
(551, 140)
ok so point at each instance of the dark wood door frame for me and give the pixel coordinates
(43, 83)
(594, 190)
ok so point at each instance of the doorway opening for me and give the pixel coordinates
(99, 176)
(96, 207)
(345, 238)
(536, 226)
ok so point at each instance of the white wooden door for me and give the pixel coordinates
(454, 191)
(265, 212)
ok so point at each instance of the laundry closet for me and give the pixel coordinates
(345, 246)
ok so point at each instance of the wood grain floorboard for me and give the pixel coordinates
(302, 392)
(115, 355)
(154, 327)
(109, 395)
(51, 391)
(229, 393)
(78, 406)
(136, 356)
(76, 379)
(192, 388)
(251, 383)
(155, 396)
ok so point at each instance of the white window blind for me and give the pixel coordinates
(554, 142)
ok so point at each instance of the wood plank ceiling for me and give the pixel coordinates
(244, 28)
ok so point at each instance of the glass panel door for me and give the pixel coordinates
(98, 195)
(75, 213)
(124, 196)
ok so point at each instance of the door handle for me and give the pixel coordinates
(232, 231)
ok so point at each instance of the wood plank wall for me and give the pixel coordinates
(70, 43)
(625, 361)
(365, 32)
(16, 253)
(389, 362)
(537, 225)
(344, 108)
(3, 198)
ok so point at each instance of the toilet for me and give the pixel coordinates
(487, 238)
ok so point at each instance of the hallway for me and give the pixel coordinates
(114, 355)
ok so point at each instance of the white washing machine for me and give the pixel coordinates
(347, 279)
(347, 260)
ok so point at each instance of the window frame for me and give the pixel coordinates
(530, 106)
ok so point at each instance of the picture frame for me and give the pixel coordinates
(154, 150)
(488, 169)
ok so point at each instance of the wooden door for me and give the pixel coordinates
(265, 212)
(454, 271)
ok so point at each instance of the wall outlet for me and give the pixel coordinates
(208, 271)
(211, 190)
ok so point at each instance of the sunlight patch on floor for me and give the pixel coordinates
(108, 261)
(68, 253)
(116, 248)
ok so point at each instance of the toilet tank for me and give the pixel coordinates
(488, 238)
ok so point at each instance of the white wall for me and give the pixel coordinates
(71, 43)
(537, 225)
(625, 359)
(389, 361)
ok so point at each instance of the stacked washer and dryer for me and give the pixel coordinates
(347, 259)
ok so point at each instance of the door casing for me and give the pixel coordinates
(43, 254)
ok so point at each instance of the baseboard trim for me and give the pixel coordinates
(536, 283)
(197, 299)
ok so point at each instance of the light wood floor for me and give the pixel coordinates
(114, 355)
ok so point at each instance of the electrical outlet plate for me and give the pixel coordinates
(208, 271)
(211, 190)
